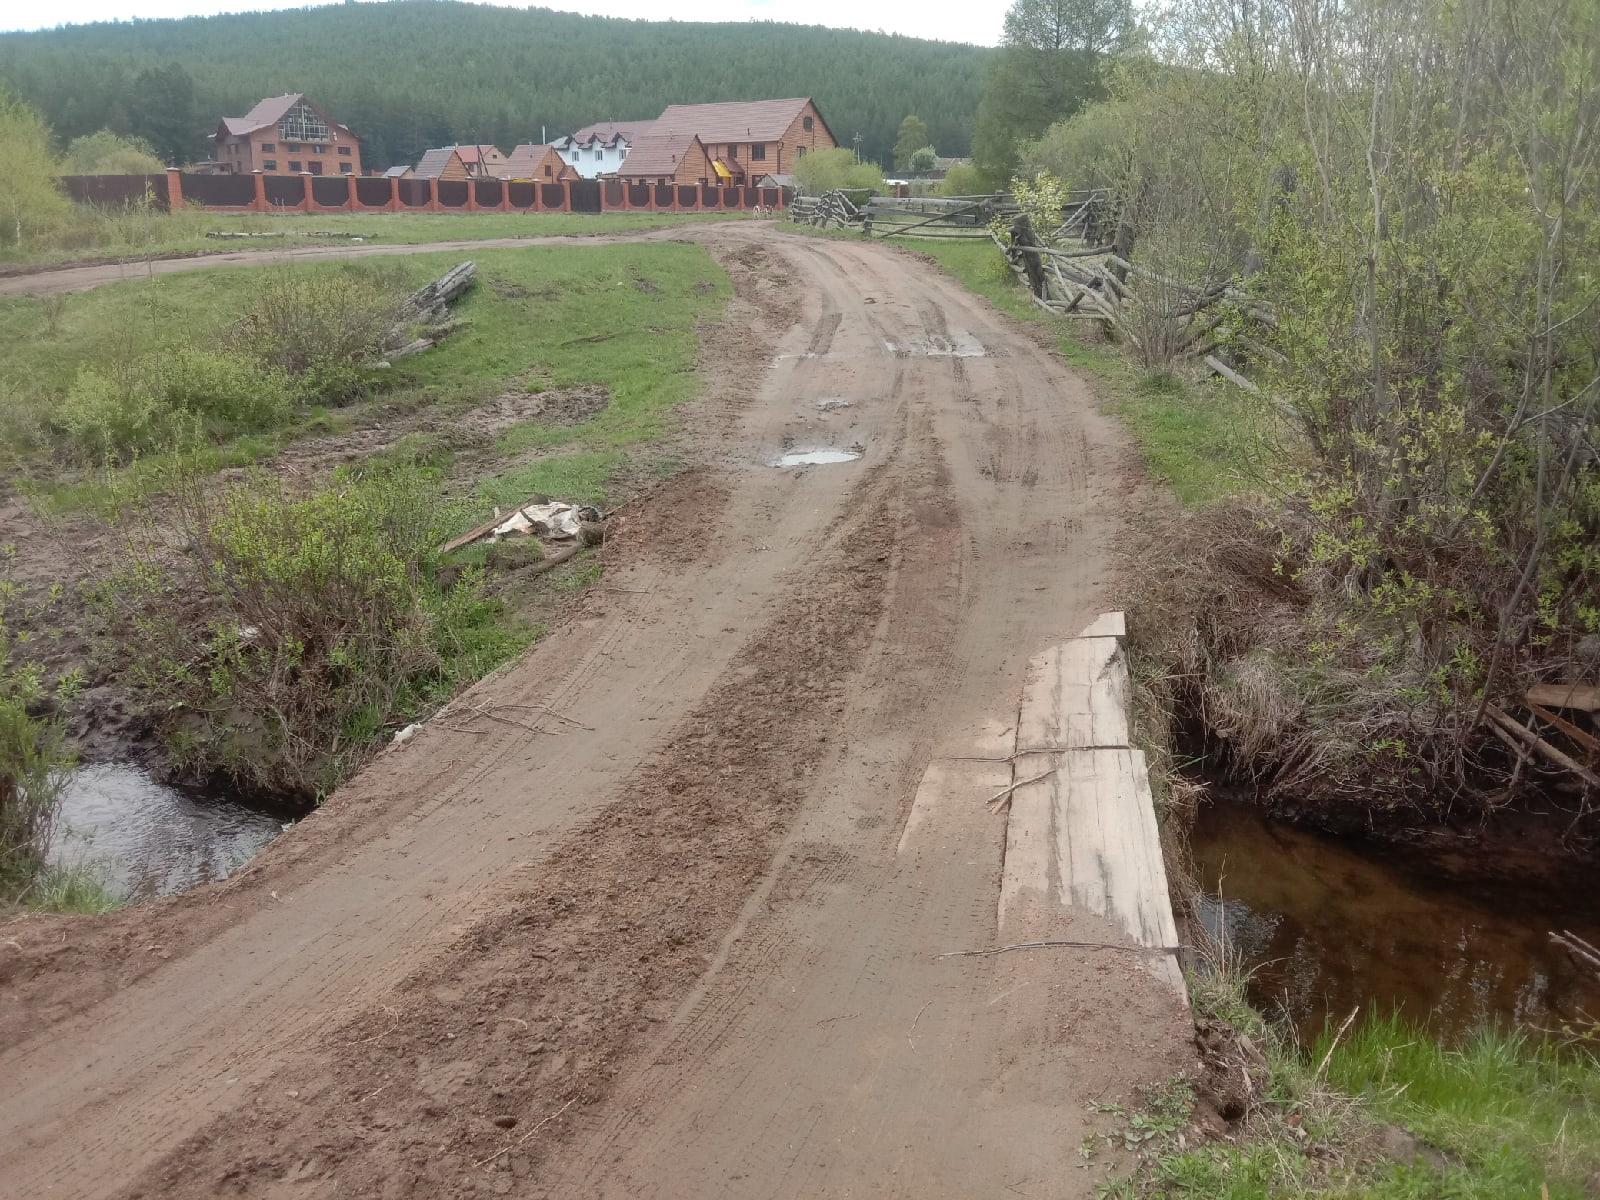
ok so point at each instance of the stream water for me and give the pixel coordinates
(1327, 928)
(145, 839)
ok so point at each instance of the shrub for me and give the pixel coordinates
(104, 153)
(279, 634)
(323, 329)
(31, 760)
(171, 400)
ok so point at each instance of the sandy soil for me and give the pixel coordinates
(663, 931)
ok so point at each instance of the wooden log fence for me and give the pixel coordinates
(1098, 280)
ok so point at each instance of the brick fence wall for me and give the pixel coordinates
(369, 194)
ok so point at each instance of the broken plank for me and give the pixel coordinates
(1565, 695)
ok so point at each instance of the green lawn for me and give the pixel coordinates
(95, 234)
(625, 317)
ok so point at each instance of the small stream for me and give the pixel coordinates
(144, 839)
(1328, 927)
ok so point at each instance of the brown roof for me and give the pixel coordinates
(523, 161)
(734, 121)
(432, 164)
(606, 132)
(471, 154)
(266, 112)
(658, 154)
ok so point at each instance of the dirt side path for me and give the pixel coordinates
(82, 278)
(681, 943)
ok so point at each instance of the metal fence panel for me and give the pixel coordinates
(219, 191)
(453, 193)
(117, 191)
(523, 195)
(284, 191)
(330, 191)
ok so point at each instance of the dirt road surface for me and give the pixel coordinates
(664, 929)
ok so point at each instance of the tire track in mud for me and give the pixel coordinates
(589, 950)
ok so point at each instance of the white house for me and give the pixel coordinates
(601, 148)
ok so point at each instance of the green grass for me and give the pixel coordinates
(79, 889)
(1502, 1116)
(624, 317)
(93, 235)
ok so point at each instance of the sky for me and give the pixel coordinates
(976, 21)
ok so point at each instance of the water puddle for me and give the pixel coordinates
(1326, 928)
(808, 458)
(958, 344)
(144, 839)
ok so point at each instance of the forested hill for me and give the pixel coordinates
(410, 74)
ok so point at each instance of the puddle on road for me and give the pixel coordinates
(144, 839)
(1325, 927)
(957, 345)
(807, 458)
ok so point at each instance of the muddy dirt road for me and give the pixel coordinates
(665, 932)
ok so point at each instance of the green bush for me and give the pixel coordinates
(31, 760)
(279, 634)
(325, 329)
(161, 402)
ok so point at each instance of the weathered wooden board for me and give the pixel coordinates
(1565, 695)
(1076, 696)
(1084, 833)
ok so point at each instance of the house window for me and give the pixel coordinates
(807, 123)
(758, 152)
(547, 169)
(799, 151)
(319, 149)
(316, 167)
(345, 150)
(347, 168)
(269, 164)
(733, 154)
(294, 165)
(599, 154)
(303, 124)
(267, 147)
(292, 147)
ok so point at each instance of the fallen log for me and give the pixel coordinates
(1565, 695)
(1536, 743)
(430, 305)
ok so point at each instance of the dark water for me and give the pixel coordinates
(1330, 926)
(145, 839)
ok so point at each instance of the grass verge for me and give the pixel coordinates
(97, 234)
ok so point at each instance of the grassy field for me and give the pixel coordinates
(591, 345)
(95, 234)
(621, 317)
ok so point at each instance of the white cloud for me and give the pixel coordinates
(977, 22)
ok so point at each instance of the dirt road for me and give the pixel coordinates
(681, 941)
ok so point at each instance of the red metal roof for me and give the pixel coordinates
(267, 112)
(658, 155)
(733, 121)
(471, 154)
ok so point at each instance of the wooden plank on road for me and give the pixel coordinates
(1082, 830)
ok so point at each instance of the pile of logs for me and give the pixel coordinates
(831, 209)
(430, 307)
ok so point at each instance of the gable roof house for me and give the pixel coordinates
(601, 148)
(758, 137)
(444, 162)
(667, 158)
(285, 135)
(481, 162)
(542, 164)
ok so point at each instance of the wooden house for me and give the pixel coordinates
(542, 164)
(746, 139)
(441, 163)
(667, 158)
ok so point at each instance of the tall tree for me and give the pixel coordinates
(161, 110)
(1046, 70)
(913, 136)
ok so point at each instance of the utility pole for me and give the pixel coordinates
(858, 146)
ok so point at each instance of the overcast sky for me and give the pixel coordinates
(975, 21)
